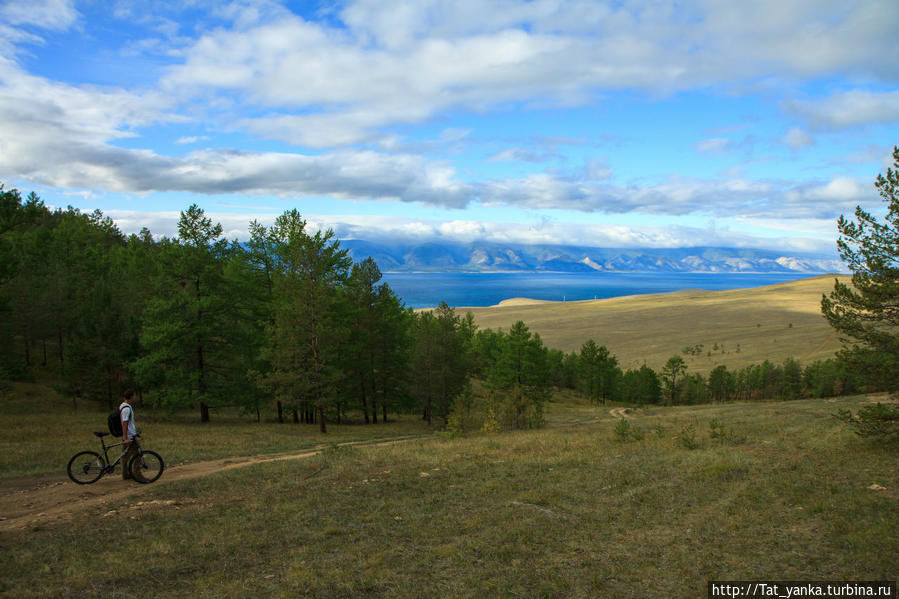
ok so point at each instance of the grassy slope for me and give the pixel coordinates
(40, 430)
(562, 512)
(652, 328)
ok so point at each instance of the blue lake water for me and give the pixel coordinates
(425, 290)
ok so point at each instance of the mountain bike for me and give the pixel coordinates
(87, 467)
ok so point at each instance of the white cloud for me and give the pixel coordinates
(840, 189)
(397, 62)
(54, 15)
(390, 228)
(191, 139)
(850, 109)
(717, 145)
(797, 139)
(520, 155)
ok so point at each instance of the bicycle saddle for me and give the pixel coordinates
(101, 433)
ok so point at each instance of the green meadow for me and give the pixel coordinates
(605, 501)
(586, 507)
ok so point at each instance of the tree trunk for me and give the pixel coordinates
(280, 412)
(204, 412)
(362, 396)
(62, 363)
(321, 419)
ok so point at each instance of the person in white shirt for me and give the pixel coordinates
(126, 413)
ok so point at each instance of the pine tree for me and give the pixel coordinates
(521, 375)
(866, 312)
(598, 371)
(306, 334)
(672, 377)
(194, 328)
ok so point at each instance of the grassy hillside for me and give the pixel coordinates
(777, 491)
(748, 326)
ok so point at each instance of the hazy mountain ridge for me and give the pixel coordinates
(434, 256)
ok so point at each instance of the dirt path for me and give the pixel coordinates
(38, 500)
(34, 501)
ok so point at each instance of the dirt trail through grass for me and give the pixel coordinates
(32, 501)
(36, 500)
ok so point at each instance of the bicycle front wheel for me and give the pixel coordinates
(86, 467)
(146, 466)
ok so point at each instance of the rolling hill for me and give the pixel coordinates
(735, 328)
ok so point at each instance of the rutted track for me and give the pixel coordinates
(34, 501)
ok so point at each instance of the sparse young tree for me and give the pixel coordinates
(672, 377)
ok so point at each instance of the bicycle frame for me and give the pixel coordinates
(110, 466)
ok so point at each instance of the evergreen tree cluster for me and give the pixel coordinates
(594, 372)
(284, 324)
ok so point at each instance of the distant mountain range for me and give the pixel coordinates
(495, 257)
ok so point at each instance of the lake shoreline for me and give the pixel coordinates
(481, 289)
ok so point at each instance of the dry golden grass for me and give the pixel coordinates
(748, 326)
(775, 491)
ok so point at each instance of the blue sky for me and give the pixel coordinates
(618, 124)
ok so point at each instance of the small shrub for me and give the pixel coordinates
(720, 432)
(491, 424)
(688, 437)
(876, 420)
(625, 432)
(717, 430)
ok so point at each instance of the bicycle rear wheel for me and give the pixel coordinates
(86, 467)
(146, 466)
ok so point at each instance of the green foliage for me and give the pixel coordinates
(687, 437)
(441, 362)
(865, 313)
(641, 386)
(521, 378)
(625, 431)
(598, 373)
(307, 331)
(672, 378)
(198, 330)
(877, 420)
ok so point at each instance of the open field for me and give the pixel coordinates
(39, 426)
(782, 491)
(739, 327)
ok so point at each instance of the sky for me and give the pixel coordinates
(624, 123)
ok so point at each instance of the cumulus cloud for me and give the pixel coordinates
(394, 62)
(797, 139)
(63, 137)
(849, 109)
(19, 19)
(329, 87)
(55, 15)
(388, 229)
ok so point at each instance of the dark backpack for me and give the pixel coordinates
(114, 422)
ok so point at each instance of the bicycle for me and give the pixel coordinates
(87, 467)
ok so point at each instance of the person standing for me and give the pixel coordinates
(126, 414)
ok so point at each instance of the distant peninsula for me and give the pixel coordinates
(439, 256)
